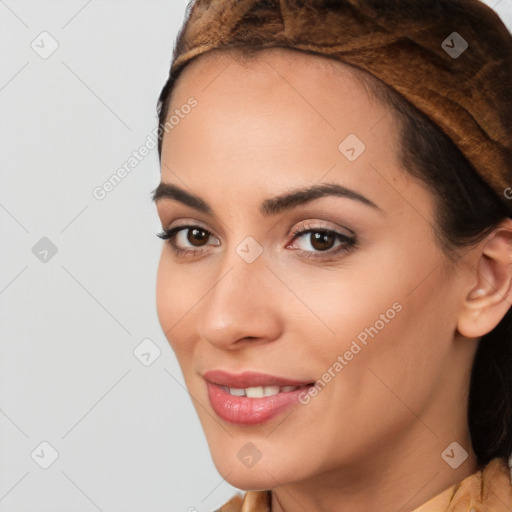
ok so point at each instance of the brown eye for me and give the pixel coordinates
(322, 240)
(197, 236)
(187, 239)
(319, 242)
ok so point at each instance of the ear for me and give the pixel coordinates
(490, 293)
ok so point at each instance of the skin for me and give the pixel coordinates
(260, 129)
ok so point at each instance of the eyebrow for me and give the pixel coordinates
(271, 206)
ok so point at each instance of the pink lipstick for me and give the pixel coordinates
(251, 398)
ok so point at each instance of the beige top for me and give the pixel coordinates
(486, 490)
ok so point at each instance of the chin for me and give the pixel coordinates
(265, 474)
(248, 479)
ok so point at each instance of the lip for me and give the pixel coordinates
(249, 379)
(242, 410)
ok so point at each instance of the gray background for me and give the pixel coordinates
(126, 434)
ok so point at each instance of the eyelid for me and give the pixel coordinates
(307, 224)
(347, 243)
(303, 225)
(190, 223)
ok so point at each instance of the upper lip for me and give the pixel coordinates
(248, 379)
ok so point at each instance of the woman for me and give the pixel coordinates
(336, 277)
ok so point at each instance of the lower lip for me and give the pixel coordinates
(243, 410)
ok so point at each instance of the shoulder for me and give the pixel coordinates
(250, 501)
(489, 489)
(494, 486)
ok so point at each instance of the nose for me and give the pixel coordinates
(243, 304)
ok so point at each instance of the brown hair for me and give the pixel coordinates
(467, 206)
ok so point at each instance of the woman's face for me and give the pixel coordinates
(362, 304)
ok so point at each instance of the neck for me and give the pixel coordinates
(386, 480)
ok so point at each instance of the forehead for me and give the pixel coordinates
(263, 61)
(314, 92)
(280, 117)
(276, 95)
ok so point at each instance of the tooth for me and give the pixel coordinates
(237, 391)
(271, 390)
(255, 392)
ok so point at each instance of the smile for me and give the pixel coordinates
(259, 391)
(251, 398)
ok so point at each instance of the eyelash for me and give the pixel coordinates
(348, 243)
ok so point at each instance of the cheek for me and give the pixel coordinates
(394, 346)
(165, 299)
(340, 304)
(175, 300)
(376, 316)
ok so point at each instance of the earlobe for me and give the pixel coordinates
(490, 295)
